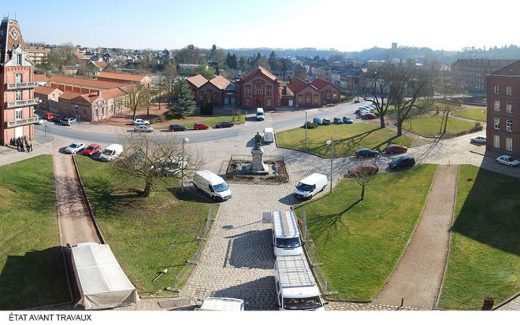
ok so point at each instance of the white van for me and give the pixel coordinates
(286, 237)
(212, 184)
(111, 152)
(296, 288)
(310, 186)
(260, 116)
(268, 135)
(222, 304)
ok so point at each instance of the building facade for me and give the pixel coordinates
(17, 92)
(38, 54)
(259, 88)
(470, 74)
(503, 110)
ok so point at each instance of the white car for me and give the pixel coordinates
(75, 147)
(171, 167)
(478, 140)
(140, 121)
(508, 161)
(143, 128)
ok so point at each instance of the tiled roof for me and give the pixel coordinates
(100, 64)
(40, 78)
(112, 93)
(260, 70)
(298, 85)
(220, 82)
(122, 76)
(197, 80)
(90, 97)
(69, 95)
(320, 83)
(44, 90)
(90, 83)
(510, 70)
(266, 72)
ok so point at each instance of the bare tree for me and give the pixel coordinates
(362, 172)
(137, 96)
(156, 159)
(376, 89)
(447, 104)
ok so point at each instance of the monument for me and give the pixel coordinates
(257, 165)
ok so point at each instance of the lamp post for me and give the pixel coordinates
(45, 127)
(185, 140)
(331, 144)
(305, 131)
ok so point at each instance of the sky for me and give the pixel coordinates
(344, 25)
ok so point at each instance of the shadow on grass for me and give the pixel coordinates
(34, 279)
(104, 198)
(326, 225)
(190, 194)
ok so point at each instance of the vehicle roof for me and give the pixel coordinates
(222, 304)
(77, 142)
(294, 272)
(312, 179)
(505, 156)
(93, 145)
(114, 146)
(268, 130)
(284, 224)
(210, 176)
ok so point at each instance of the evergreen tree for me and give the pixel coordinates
(184, 103)
(273, 61)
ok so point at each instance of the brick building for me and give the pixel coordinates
(470, 74)
(503, 110)
(259, 88)
(17, 92)
(216, 89)
(316, 93)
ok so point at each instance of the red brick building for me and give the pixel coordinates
(305, 94)
(329, 93)
(503, 110)
(17, 92)
(259, 88)
(215, 89)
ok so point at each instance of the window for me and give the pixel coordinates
(509, 107)
(248, 90)
(19, 59)
(269, 91)
(497, 123)
(509, 126)
(18, 95)
(259, 91)
(18, 114)
(496, 106)
(18, 78)
(496, 141)
(509, 144)
(509, 91)
(497, 90)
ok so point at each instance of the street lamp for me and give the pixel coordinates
(185, 140)
(45, 127)
(331, 144)
(305, 124)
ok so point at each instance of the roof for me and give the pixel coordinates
(321, 83)
(112, 93)
(286, 91)
(197, 81)
(90, 97)
(90, 83)
(69, 95)
(298, 85)
(211, 177)
(220, 82)
(262, 71)
(44, 90)
(99, 64)
(122, 76)
(313, 178)
(222, 304)
(293, 271)
(284, 224)
(40, 78)
(510, 70)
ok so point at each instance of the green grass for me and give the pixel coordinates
(146, 234)
(485, 250)
(429, 126)
(31, 266)
(359, 247)
(347, 138)
(478, 114)
(208, 120)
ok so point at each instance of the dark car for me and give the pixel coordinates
(363, 170)
(401, 162)
(366, 153)
(368, 116)
(176, 127)
(224, 124)
(338, 120)
(325, 121)
(317, 120)
(391, 149)
(347, 120)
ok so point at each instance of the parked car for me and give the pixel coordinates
(310, 185)
(111, 152)
(394, 148)
(74, 147)
(338, 120)
(170, 167)
(140, 121)
(508, 161)
(260, 115)
(316, 120)
(363, 170)
(366, 153)
(347, 120)
(176, 127)
(401, 162)
(198, 126)
(478, 140)
(356, 101)
(68, 121)
(368, 116)
(48, 116)
(57, 118)
(325, 121)
(225, 124)
(143, 128)
(92, 149)
(39, 120)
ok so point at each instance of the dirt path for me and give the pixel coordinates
(418, 276)
(75, 223)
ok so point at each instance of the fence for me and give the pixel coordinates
(183, 275)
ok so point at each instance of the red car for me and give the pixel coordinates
(395, 149)
(368, 116)
(362, 171)
(92, 149)
(198, 126)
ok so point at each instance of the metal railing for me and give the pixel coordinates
(21, 85)
(25, 121)
(23, 103)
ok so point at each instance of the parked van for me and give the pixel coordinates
(212, 184)
(111, 152)
(268, 135)
(296, 288)
(286, 237)
(260, 116)
(310, 186)
(222, 304)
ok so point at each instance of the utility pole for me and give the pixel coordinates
(305, 126)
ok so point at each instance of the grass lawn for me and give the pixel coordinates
(359, 247)
(478, 114)
(146, 234)
(31, 266)
(208, 120)
(485, 251)
(347, 138)
(429, 126)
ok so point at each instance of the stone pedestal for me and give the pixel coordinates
(257, 165)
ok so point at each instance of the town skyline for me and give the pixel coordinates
(346, 27)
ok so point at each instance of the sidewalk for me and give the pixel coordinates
(41, 145)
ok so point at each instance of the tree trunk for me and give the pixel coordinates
(134, 112)
(445, 123)
(362, 193)
(147, 188)
(399, 128)
(382, 121)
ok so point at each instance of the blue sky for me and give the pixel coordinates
(345, 25)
